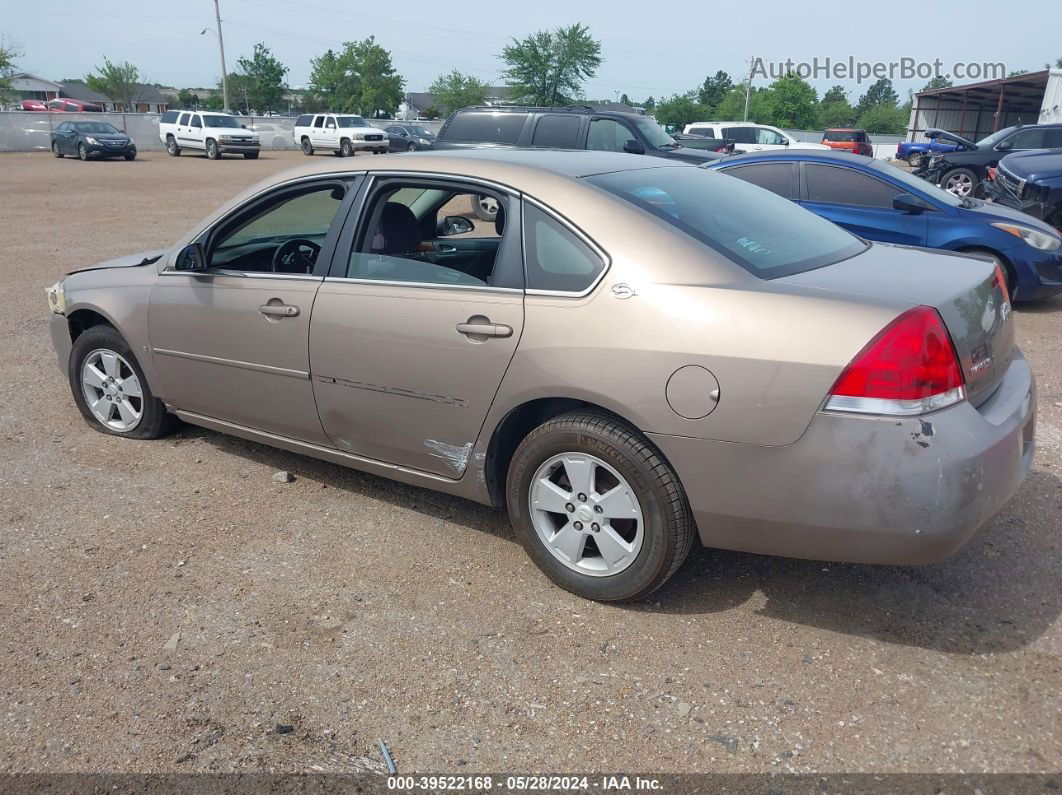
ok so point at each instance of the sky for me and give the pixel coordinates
(647, 49)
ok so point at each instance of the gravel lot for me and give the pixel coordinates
(165, 605)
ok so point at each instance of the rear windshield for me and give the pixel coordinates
(763, 233)
(351, 121)
(485, 127)
(842, 135)
(220, 121)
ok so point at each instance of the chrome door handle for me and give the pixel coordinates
(279, 310)
(485, 329)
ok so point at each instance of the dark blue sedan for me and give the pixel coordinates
(878, 201)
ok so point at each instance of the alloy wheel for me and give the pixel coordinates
(112, 390)
(488, 205)
(412, 148)
(959, 184)
(586, 514)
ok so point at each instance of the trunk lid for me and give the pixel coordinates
(962, 288)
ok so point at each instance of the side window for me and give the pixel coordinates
(62, 128)
(303, 121)
(1027, 139)
(741, 135)
(775, 177)
(557, 131)
(423, 233)
(707, 132)
(607, 135)
(1053, 138)
(169, 117)
(844, 186)
(765, 136)
(196, 121)
(318, 122)
(500, 127)
(331, 123)
(283, 236)
(392, 130)
(184, 119)
(556, 258)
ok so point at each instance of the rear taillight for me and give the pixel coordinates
(1000, 281)
(910, 367)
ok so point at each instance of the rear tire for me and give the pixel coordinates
(56, 151)
(914, 160)
(212, 152)
(171, 147)
(306, 148)
(629, 495)
(153, 421)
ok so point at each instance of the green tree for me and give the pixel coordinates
(118, 81)
(937, 82)
(883, 119)
(649, 103)
(835, 94)
(549, 67)
(432, 112)
(880, 94)
(680, 110)
(187, 98)
(761, 105)
(714, 89)
(360, 78)
(795, 103)
(263, 79)
(8, 54)
(456, 90)
(625, 99)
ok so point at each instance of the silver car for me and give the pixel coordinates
(634, 353)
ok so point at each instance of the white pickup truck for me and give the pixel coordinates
(341, 133)
(213, 133)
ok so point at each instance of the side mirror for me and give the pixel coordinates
(454, 225)
(191, 258)
(1003, 146)
(633, 147)
(909, 203)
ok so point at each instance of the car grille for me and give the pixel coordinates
(114, 143)
(373, 137)
(1009, 183)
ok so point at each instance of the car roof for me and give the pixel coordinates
(579, 109)
(820, 155)
(844, 129)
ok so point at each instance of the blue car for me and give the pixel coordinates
(914, 152)
(878, 201)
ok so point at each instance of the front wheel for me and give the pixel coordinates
(212, 152)
(346, 149)
(130, 155)
(961, 182)
(485, 207)
(411, 148)
(82, 152)
(597, 508)
(110, 389)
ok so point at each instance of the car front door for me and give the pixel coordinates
(195, 132)
(230, 341)
(862, 204)
(407, 352)
(397, 138)
(317, 132)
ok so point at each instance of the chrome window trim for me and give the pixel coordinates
(431, 285)
(244, 274)
(579, 233)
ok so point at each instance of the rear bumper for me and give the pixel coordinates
(858, 489)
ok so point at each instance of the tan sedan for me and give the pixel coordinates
(634, 353)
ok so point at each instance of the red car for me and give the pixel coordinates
(64, 105)
(33, 104)
(855, 141)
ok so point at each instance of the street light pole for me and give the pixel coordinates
(224, 71)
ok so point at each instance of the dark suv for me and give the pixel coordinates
(960, 172)
(1030, 182)
(571, 127)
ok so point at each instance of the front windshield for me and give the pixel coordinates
(352, 121)
(994, 138)
(211, 120)
(911, 181)
(765, 234)
(654, 133)
(100, 127)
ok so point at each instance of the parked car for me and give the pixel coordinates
(749, 136)
(916, 152)
(215, 134)
(88, 139)
(339, 133)
(844, 139)
(724, 146)
(575, 127)
(878, 201)
(64, 105)
(1030, 182)
(409, 137)
(641, 353)
(961, 171)
(34, 105)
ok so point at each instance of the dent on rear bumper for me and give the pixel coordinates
(865, 490)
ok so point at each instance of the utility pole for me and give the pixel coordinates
(748, 90)
(224, 71)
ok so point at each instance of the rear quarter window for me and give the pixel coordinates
(485, 127)
(303, 121)
(170, 117)
(556, 258)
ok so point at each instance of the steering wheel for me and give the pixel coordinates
(295, 256)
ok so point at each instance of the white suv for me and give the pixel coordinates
(343, 134)
(213, 133)
(749, 136)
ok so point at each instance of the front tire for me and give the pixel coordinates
(597, 508)
(110, 389)
(485, 207)
(130, 155)
(961, 182)
(56, 150)
(411, 148)
(82, 152)
(346, 148)
(212, 152)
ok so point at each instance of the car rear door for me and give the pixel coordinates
(406, 354)
(860, 203)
